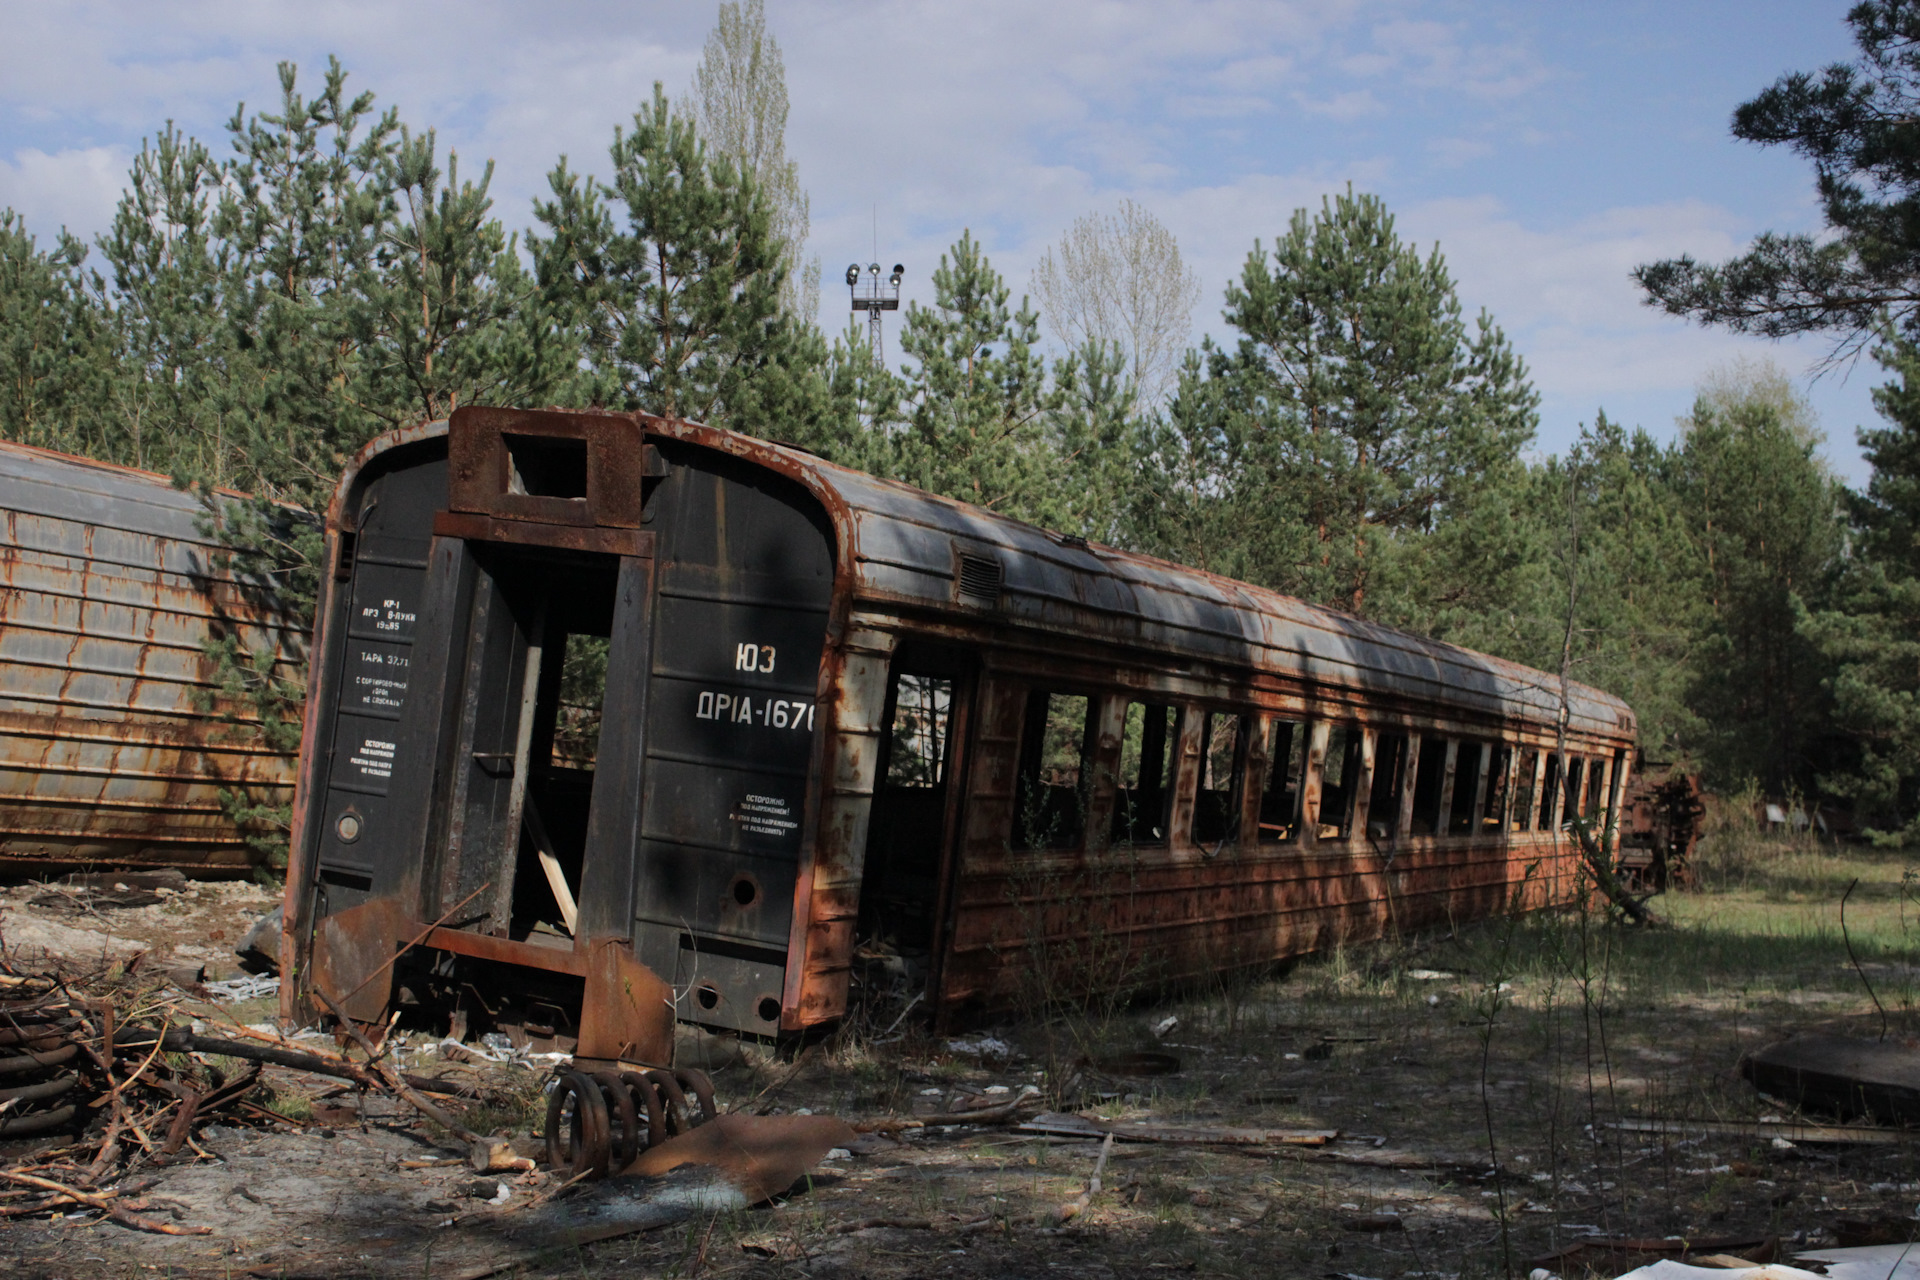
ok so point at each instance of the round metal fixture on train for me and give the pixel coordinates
(769, 1009)
(745, 891)
(348, 827)
(708, 995)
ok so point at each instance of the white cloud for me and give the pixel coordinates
(1005, 116)
(76, 189)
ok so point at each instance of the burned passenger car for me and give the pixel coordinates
(616, 720)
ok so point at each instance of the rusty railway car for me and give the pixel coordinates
(115, 745)
(619, 719)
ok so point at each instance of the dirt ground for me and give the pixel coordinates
(1517, 1045)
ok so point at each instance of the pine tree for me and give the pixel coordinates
(1764, 517)
(679, 308)
(977, 397)
(1870, 631)
(56, 350)
(1368, 409)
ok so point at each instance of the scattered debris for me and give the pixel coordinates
(1599, 1253)
(1779, 1131)
(250, 987)
(1082, 1126)
(1078, 1205)
(983, 1047)
(1869, 1262)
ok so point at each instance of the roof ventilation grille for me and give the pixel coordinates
(980, 579)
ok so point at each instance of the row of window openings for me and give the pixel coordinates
(1056, 762)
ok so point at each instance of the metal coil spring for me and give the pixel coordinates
(599, 1121)
(37, 1054)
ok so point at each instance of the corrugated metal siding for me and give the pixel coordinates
(112, 745)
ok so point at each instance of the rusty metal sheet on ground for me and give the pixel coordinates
(761, 1155)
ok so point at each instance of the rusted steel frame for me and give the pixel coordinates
(1172, 910)
(483, 946)
(112, 468)
(415, 941)
(45, 799)
(125, 770)
(960, 724)
(841, 786)
(1247, 600)
(814, 988)
(479, 528)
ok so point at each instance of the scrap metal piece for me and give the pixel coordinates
(760, 1156)
(1842, 1075)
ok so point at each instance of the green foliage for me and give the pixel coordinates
(976, 397)
(1855, 123)
(1585, 562)
(1359, 409)
(679, 308)
(1871, 632)
(1358, 442)
(1764, 518)
(55, 346)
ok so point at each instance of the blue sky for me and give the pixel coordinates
(1547, 147)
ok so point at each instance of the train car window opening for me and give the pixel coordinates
(900, 880)
(1148, 734)
(546, 466)
(1389, 778)
(1615, 789)
(1280, 798)
(1466, 789)
(1428, 780)
(1339, 774)
(1216, 804)
(1523, 790)
(583, 691)
(1596, 795)
(917, 741)
(1574, 792)
(1549, 792)
(1050, 812)
(1493, 816)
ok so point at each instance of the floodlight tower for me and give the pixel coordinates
(875, 298)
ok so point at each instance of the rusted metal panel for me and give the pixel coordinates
(115, 740)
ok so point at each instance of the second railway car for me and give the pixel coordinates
(617, 719)
(118, 745)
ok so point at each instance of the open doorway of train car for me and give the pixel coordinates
(528, 738)
(913, 824)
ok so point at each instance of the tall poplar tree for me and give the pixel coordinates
(740, 106)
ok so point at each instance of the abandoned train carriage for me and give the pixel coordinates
(118, 745)
(616, 715)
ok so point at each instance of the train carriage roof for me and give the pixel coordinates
(904, 548)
